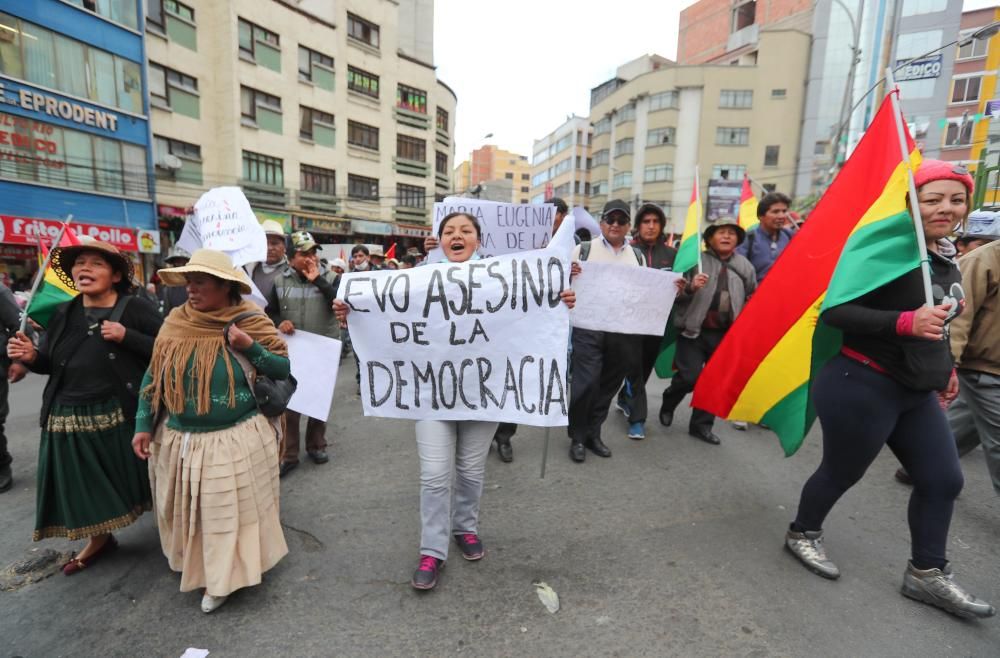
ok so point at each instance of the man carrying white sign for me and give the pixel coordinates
(445, 345)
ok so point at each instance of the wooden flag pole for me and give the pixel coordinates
(41, 270)
(918, 224)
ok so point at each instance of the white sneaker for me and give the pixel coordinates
(210, 603)
(741, 425)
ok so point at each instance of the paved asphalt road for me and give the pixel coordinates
(670, 548)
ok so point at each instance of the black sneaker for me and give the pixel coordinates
(426, 575)
(471, 545)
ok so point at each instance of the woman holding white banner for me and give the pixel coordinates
(452, 452)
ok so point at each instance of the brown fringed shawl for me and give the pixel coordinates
(190, 336)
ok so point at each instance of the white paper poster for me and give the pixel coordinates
(481, 340)
(584, 220)
(623, 299)
(224, 221)
(508, 228)
(315, 362)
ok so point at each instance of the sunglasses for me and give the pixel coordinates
(617, 218)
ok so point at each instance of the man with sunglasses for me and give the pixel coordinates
(601, 359)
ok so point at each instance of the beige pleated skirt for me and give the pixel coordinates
(216, 501)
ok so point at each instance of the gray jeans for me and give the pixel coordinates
(452, 467)
(975, 418)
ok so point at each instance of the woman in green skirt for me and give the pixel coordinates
(95, 350)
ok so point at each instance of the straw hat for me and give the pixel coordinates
(207, 261)
(271, 227)
(64, 257)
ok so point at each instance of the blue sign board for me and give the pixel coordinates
(918, 69)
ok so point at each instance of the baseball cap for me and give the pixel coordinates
(616, 205)
(303, 241)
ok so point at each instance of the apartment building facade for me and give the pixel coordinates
(561, 164)
(495, 168)
(328, 115)
(653, 130)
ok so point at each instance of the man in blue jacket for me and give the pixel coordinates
(768, 239)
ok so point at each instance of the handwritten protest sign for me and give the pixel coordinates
(622, 299)
(224, 221)
(507, 227)
(480, 340)
(315, 360)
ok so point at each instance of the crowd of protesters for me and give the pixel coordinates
(175, 427)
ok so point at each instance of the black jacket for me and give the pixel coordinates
(128, 360)
(659, 256)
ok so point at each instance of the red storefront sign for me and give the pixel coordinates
(17, 252)
(26, 230)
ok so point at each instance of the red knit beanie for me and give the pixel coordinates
(932, 170)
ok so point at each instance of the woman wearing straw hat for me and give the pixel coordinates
(89, 482)
(213, 458)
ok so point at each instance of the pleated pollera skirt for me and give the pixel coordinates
(216, 501)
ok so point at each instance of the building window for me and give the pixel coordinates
(561, 167)
(361, 187)
(308, 59)
(600, 158)
(440, 162)
(602, 126)
(622, 179)
(119, 11)
(625, 113)
(744, 14)
(561, 191)
(161, 79)
(662, 101)
(250, 99)
(736, 98)
(360, 134)
(411, 99)
(624, 146)
(442, 119)
(362, 30)
(661, 136)
(318, 180)
(779, 93)
(729, 172)
(163, 146)
(915, 7)
(974, 50)
(966, 90)
(959, 132)
(509, 175)
(525, 189)
(771, 156)
(309, 117)
(658, 173)
(411, 148)
(263, 169)
(411, 196)
(179, 9)
(598, 188)
(732, 136)
(362, 82)
(42, 57)
(250, 34)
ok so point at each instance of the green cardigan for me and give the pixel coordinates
(220, 415)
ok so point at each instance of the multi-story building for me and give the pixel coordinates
(561, 164)
(490, 163)
(74, 130)
(655, 123)
(329, 115)
(973, 103)
(714, 29)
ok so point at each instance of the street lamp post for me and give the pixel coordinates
(849, 85)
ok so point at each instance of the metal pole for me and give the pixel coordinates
(918, 224)
(41, 270)
(701, 213)
(545, 451)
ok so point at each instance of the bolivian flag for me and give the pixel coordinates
(52, 291)
(689, 250)
(748, 206)
(859, 237)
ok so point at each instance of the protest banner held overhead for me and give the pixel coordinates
(507, 227)
(620, 299)
(224, 221)
(465, 341)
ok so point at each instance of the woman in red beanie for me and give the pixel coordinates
(883, 389)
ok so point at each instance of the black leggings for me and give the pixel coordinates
(861, 410)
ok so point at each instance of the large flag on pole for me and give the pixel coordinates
(53, 290)
(689, 250)
(859, 237)
(748, 206)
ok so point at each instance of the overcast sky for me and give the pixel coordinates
(520, 67)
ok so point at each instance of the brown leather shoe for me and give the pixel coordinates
(76, 564)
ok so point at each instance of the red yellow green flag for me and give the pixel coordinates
(748, 206)
(859, 237)
(689, 250)
(53, 290)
